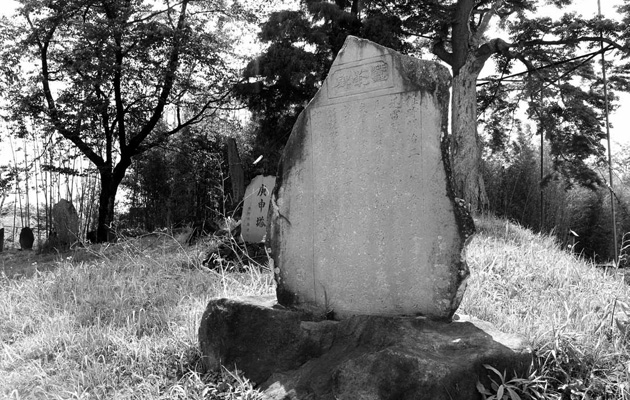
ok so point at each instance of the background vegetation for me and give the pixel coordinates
(162, 163)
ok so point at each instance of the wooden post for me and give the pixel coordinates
(237, 175)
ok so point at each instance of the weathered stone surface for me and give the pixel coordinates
(256, 208)
(361, 357)
(26, 238)
(362, 218)
(66, 223)
(256, 334)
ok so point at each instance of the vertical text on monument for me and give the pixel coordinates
(363, 219)
(256, 207)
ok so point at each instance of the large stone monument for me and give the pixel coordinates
(66, 223)
(367, 240)
(363, 217)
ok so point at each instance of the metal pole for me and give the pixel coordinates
(610, 171)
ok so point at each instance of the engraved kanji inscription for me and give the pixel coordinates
(362, 77)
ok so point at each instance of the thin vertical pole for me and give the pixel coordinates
(26, 173)
(542, 176)
(610, 171)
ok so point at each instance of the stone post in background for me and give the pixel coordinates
(256, 207)
(237, 175)
(26, 238)
(66, 223)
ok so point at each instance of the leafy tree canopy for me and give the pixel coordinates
(562, 87)
(117, 77)
(301, 46)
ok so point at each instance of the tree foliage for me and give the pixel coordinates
(117, 77)
(515, 189)
(301, 46)
(561, 87)
(578, 216)
(178, 183)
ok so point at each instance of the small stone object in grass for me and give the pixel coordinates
(26, 238)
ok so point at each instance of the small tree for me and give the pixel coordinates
(114, 77)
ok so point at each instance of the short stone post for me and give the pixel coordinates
(26, 238)
(254, 220)
(66, 223)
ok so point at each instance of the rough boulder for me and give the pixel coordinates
(291, 356)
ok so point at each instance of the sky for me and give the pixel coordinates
(619, 119)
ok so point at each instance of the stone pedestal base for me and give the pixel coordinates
(363, 357)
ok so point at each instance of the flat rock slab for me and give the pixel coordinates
(362, 218)
(362, 357)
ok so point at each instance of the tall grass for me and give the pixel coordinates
(123, 325)
(120, 322)
(571, 311)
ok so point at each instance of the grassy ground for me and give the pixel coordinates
(575, 315)
(122, 325)
(120, 322)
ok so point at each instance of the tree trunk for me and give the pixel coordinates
(465, 144)
(110, 181)
(106, 202)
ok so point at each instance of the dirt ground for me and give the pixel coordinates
(15, 263)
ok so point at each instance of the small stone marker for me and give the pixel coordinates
(256, 208)
(363, 220)
(26, 238)
(1, 239)
(66, 222)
